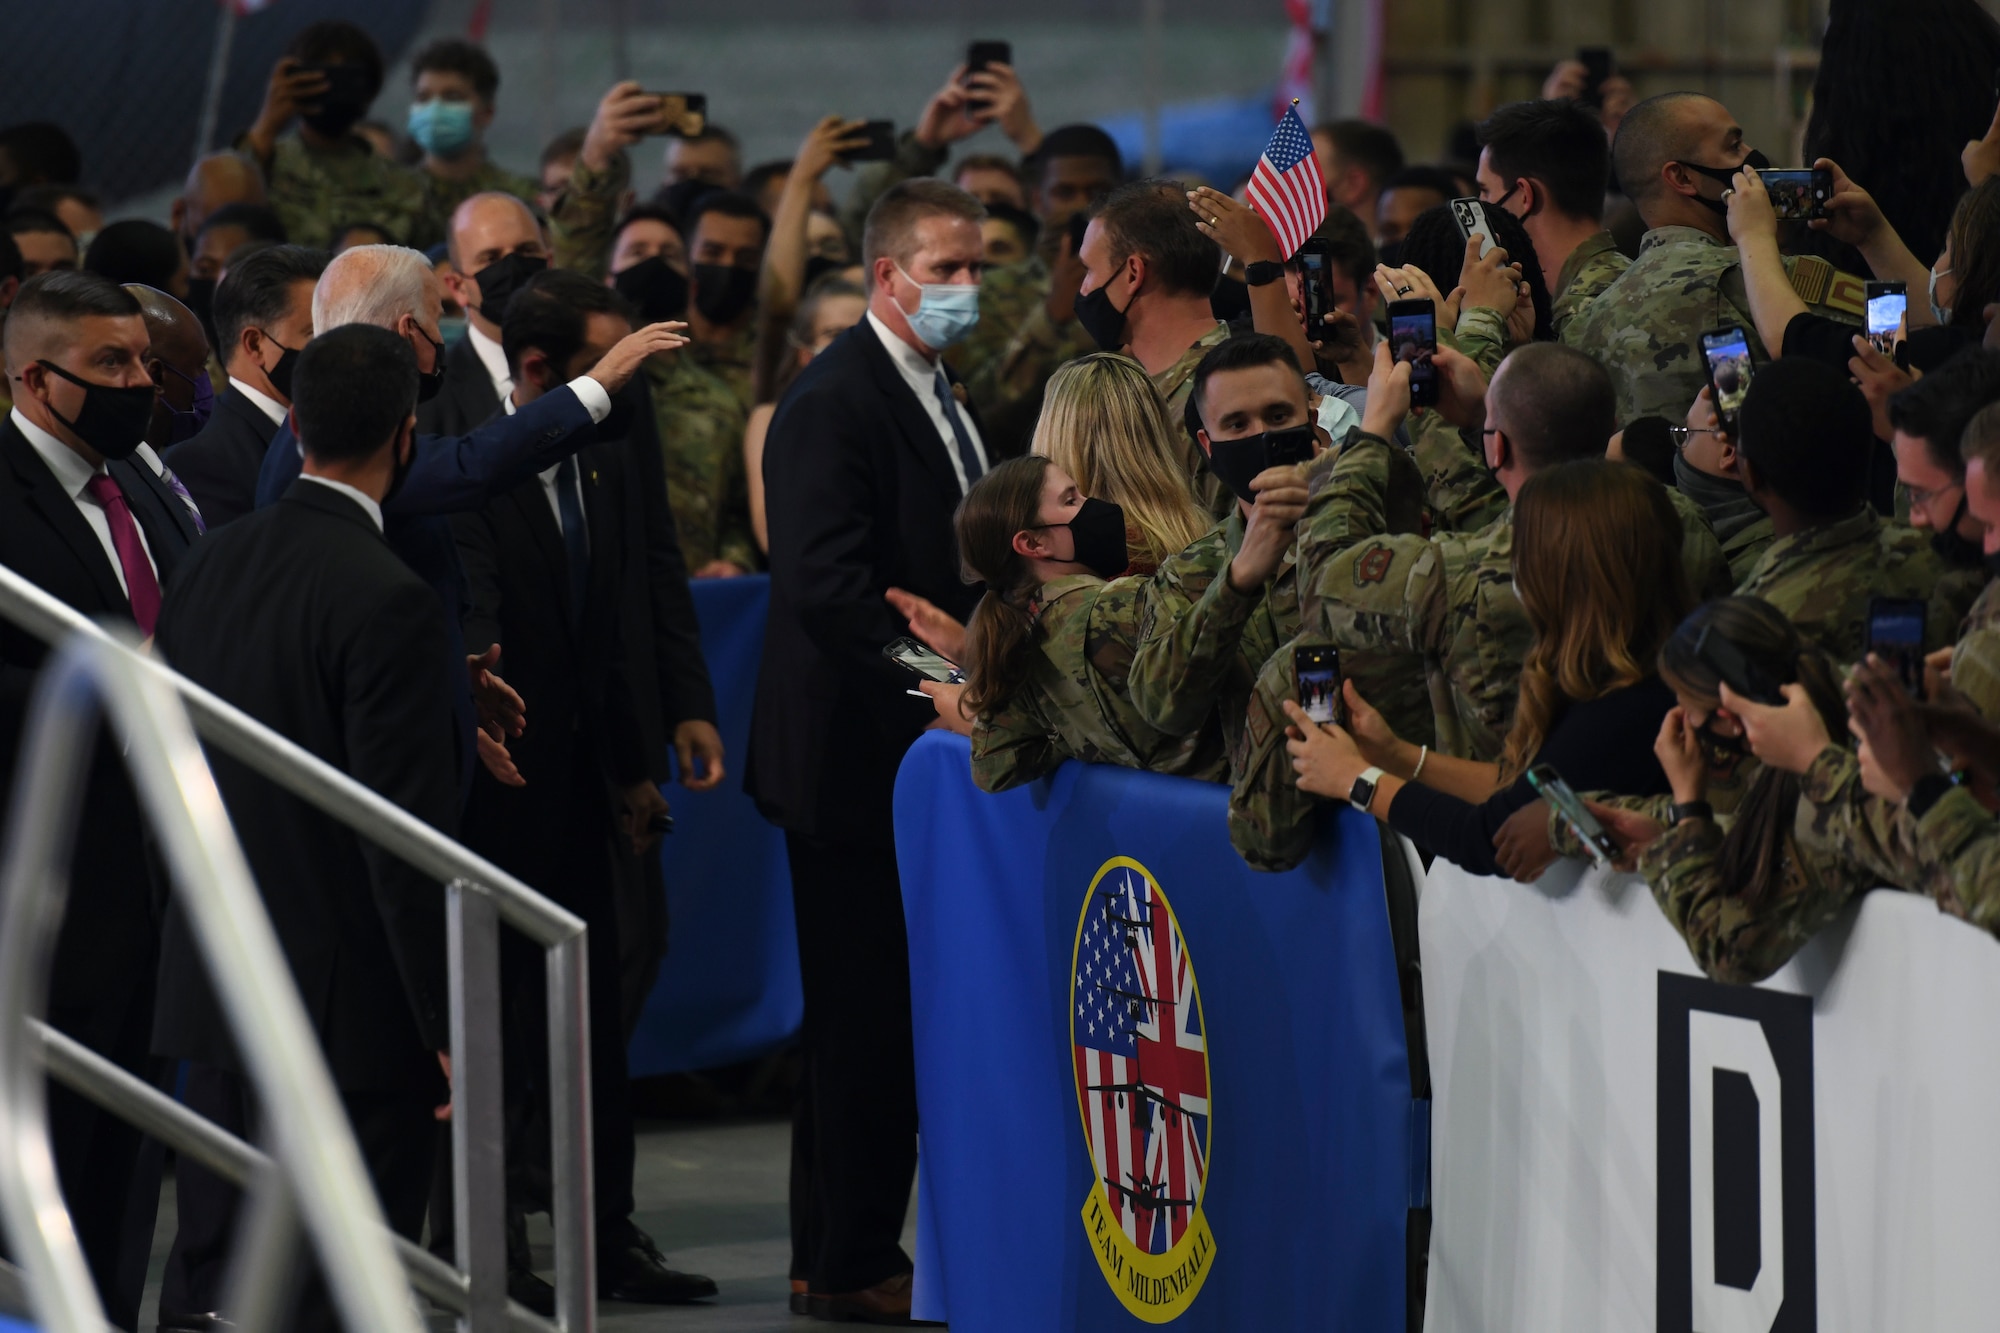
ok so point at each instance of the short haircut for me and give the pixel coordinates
(49, 198)
(257, 290)
(136, 250)
(995, 162)
(260, 220)
(1366, 145)
(1560, 144)
(891, 228)
(375, 229)
(353, 388)
(1649, 443)
(728, 203)
(1651, 135)
(59, 297)
(1558, 404)
(1937, 407)
(1240, 352)
(372, 284)
(12, 265)
(1806, 430)
(1981, 439)
(1151, 218)
(551, 313)
(565, 147)
(23, 221)
(1020, 219)
(648, 213)
(1423, 178)
(1436, 245)
(755, 179)
(450, 55)
(1075, 141)
(41, 151)
(1351, 250)
(338, 42)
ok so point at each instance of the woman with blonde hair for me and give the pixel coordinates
(1598, 568)
(1104, 425)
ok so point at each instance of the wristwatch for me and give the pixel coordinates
(1263, 273)
(1363, 793)
(1685, 810)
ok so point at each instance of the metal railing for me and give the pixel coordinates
(313, 1172)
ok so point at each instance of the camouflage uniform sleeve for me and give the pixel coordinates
(1270, 819)
(876, 179)
(584, 217)
(1461, 493)
(1963, 841)
(1014, 744)
(1481, 337)
(1701, 554)
(1192, 627)
(1732, 939)
(1564, 839)
(1027, 360)
(1839, 823)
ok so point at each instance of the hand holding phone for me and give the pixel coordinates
(1888, 302)
(913, 656)
(1413, 338)
(1725, 353)
(1896, 635)
(978, 56)
(1318, 674)
(1798, 193)
(1470, 215)
(1549, 785)
(880, 145)
(682, 115)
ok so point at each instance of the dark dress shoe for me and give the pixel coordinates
(800, 1302)
(211, 1322)
(525, 1286)
(887, 1302)
(631, 1268)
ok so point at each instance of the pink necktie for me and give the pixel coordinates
(141, 585)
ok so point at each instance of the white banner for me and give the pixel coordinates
(1618, 1143)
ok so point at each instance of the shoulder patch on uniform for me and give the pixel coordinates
(1373, 565)
(1811, 276)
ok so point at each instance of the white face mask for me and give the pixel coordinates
(1938, 312)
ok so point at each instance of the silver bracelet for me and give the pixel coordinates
(1422, 755)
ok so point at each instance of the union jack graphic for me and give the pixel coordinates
(1141, 1061)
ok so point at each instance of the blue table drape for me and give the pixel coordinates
(1306, 1175)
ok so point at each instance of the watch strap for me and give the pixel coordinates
(1362, 795)
(1928, 791)
(1685, 810)
(1263, 272)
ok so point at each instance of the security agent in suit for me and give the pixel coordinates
(263, 317)
(544, 563)
(496, 246)
(302, 616)
(395, 288)
(868, 455)
(78, 520)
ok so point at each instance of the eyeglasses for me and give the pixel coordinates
(1680, 434)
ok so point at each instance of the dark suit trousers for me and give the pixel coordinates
(854, 1152)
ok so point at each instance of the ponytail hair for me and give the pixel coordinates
(999, 637)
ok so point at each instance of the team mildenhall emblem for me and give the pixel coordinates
(1142, 1084)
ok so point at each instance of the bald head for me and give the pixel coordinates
(1554, 403)
(216, 181)
(486, 229)
(1657, 141)
(175, 332)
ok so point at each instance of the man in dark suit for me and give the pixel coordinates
(78, 520)
(867, 457)
(304, 618)
(263, 316)
(544, 563)
(496, 246)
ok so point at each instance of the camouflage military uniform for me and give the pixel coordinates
(1590, 268)
(1646, 326)
(732, 358)
(1015, 346)
(1075, 705)
(584, 217)
(1176, 386)
(701, 435)
(443, 197)
(1701, 555)
(1822, 578)
(1480, 336)
(316, 192)
(1839, 822)
(1962, 841)
(1460, 491)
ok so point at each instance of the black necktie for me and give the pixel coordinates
(968, 454)
(575, 542)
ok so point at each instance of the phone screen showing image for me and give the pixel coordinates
(1318, 670)
(1896, 635)
(1413, 338)
(1798, 193)
(1551, 787)
(1888, 302)
(925, 662)
(1727, 352)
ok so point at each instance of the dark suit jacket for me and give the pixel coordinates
(304, 618)
(219, 464)
(104, 955)
(565, 661)
(467, 401)
(860, 494)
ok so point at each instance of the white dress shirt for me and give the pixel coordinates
(548, 477)
(921, 375)
(263, 402)
(494, 358)
(364, 499)
(73, 474)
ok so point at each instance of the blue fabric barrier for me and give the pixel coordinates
(730, 987)
(1049, 906)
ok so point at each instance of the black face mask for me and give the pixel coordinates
(1098, 533)
(1104, 322)
(397, 477)
(1237, 463)
(1957, 552)
(817, 267)
(499, 280)
(657, 291)
(280, 375)
(428, 384)
(723, 291)
(113, 419)
(1754, 160)
(1390, 253)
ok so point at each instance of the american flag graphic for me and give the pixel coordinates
(1286, 189)
(1141, 1062)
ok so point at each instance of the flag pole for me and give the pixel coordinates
(218, 74)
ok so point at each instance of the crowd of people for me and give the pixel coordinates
(413, 458)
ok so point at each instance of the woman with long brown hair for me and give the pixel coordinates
(1049, 645)
(1597, 566)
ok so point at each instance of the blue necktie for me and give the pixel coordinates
(575, 542)
(968, 454)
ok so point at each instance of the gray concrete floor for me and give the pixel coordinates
(713, 1196)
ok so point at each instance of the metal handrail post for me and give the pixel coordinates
(252, 983)
(568, 975)
(478, 1128)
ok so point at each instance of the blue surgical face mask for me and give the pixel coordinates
(946, 311)
(1938, 312)
(440, 127)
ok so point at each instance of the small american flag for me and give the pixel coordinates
(1141, 1062)
(1286, 189)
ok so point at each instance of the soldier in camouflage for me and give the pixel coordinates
(326, 177)
(1675, 155)
(451, 106)
(700, 425)
(726, 234)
